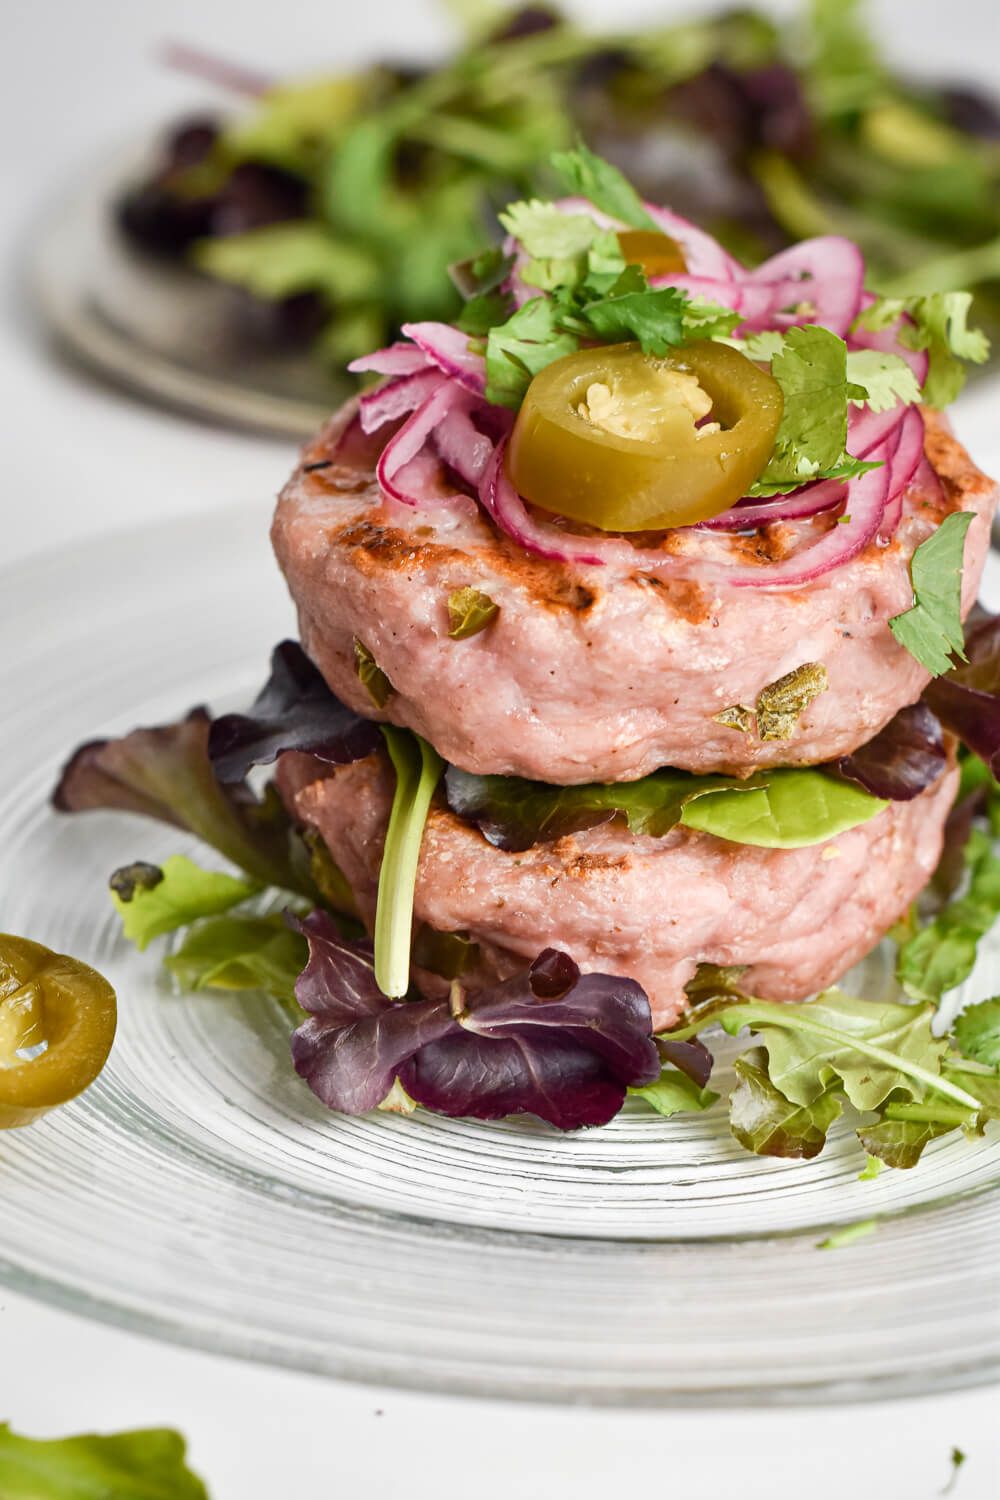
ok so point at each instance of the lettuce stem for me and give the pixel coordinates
(418, 770)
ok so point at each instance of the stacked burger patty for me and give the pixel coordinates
(588, 674)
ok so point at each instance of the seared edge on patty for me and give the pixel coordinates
(602, 673)
(647, 908)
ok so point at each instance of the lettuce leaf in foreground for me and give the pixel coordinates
(144, 1465)
(171, 896)
(553, 1042)
(164, 773)
(241, 951)
(813, 1058)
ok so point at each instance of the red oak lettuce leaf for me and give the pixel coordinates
(165, 773)
(904, 758)
(294, 710)
(551, 1042)
(967, 699)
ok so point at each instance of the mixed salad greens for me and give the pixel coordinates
(335, 203)
(566, 1046)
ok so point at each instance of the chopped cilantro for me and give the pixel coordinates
(811, 367)
(655, 318)
(932, 630)
(519, 348)
(602, 185)
(938, 323)
(883, 380)
(546, 232)
(707, 320)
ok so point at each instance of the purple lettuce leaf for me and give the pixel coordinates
(165, 773)
(903, 759)
(550, 1042)
(294, 710)
(550, 1076)
(691, 1057)
(967, 699)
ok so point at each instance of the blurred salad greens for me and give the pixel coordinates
(332, 204)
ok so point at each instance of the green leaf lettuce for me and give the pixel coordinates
(143, 1465)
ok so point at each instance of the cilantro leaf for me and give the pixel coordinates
(885, 380)
(942, 329)
(654, 317)
(932, 629)
(811, 368)
(546, 232)
(810, 365)
(145, 1465)
(161, 900)
(518, 349)
(942, 954)
(483, 312)
(481, 273)
(938, 323)
(977, 1032)
(708, 320)
(593, 178)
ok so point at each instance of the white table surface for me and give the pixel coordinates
(79, 458)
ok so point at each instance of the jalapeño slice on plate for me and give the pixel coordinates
(627, 441)
(47, 998)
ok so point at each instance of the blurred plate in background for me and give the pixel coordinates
(162, 331)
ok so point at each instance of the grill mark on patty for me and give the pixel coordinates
(387, 547)
(687, 599)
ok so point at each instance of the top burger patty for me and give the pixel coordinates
(602, 673)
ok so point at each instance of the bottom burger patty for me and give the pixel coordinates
(648, 908)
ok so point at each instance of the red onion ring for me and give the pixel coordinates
(509, 513)
(902, 469)
(406, 444)
(448, 347)
(462, 446)
(397, 397)
(828, 271)
(396, 359)
(811, 500)
(865, 506)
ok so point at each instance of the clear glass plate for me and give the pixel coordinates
(200, 1193)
